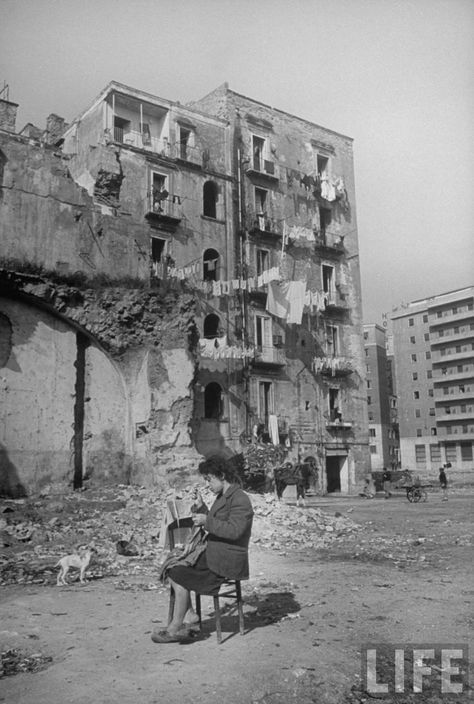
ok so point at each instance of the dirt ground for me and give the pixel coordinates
(308, 615)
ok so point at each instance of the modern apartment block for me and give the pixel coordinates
(434, 360)
(245, 212)
(381, 401)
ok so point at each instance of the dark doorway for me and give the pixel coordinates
(333, 474)
(213, 402)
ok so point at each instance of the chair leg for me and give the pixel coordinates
(198, 609)
(171, 606)
(240, 608)
(218, 619)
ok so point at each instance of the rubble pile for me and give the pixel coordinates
(14, 661)
(280, 526)
(123, 524)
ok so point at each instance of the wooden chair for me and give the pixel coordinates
(230, 589)
(178, 531)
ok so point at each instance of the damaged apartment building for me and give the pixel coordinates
(176, 281)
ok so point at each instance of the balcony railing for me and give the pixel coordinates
(270, 355)
(158, 145)
(265, 168)
(261, 223)
(329, 242)
(165, 210)
(332, 366)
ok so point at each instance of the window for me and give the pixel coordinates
(211, 326)
(414, 376)
(463, 407)
(420, 454)
(413, 358)
(367, 368)
(265, 401)
(441, 333)
(372, 432)
(184, 142)
(459, 369)
(369, 400)
(434, 431)
(439, 314)
(366, 353)
(435, 453)
(332, 340)
(419, 434)
(210, 268)
(456, 329)
(425, 318)
(458, 349)
(429, 374)
(334, 404)
(157, 248)
(373, 449)
(417, 413)
(416, 394)
(368, 384)
(371, 416)
(412, 339)
(210, 194)
(213, 401)
(427, 336)
(411, 322)
(258, 152)
(322, 165)
(445, 390)
(451, 454)
(366, 335)
(432, 412)
(324, 220)
(121, 128)
(263, 257)
(466, 451)
(329, 282)
(428, 355)
(159, 192)
(430, 393)
(455, 310)
(263, 332)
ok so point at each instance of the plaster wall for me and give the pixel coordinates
(37, 406)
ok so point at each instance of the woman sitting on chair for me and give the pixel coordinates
(228, 525)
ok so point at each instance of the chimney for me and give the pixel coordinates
(8, 115)
(55, 127)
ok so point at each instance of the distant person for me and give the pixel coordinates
(443, 481)
(387, 483)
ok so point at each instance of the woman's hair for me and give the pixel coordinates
(220, 467)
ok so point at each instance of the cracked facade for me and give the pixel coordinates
(176, 279)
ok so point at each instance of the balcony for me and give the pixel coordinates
(165, 212)
(462, 336)
(339, 424)
(261, 224)
(264, 169)
(449, 318)
(328, 243)
(332, 366)
(334, 301)
(272, 356)
(450, 377)
(465, 353)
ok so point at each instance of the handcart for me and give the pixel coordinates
(417, 492)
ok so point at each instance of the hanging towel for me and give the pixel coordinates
(273, 429)
(295, 296)
(277, 302)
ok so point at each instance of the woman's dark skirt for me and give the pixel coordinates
(198, 578)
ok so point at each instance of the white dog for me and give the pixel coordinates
(79, 559)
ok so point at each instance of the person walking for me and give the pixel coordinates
(387, 482)
(443, 481)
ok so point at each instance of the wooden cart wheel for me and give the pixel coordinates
(410, 496)
(416, 495)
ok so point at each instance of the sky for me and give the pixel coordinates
(395, 75)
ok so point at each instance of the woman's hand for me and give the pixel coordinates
(199, 519)
(197, 498)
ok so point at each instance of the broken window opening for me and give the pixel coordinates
(210, 195)
(211, 326)
(210, 265)
(322, 165)
(213, 401)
